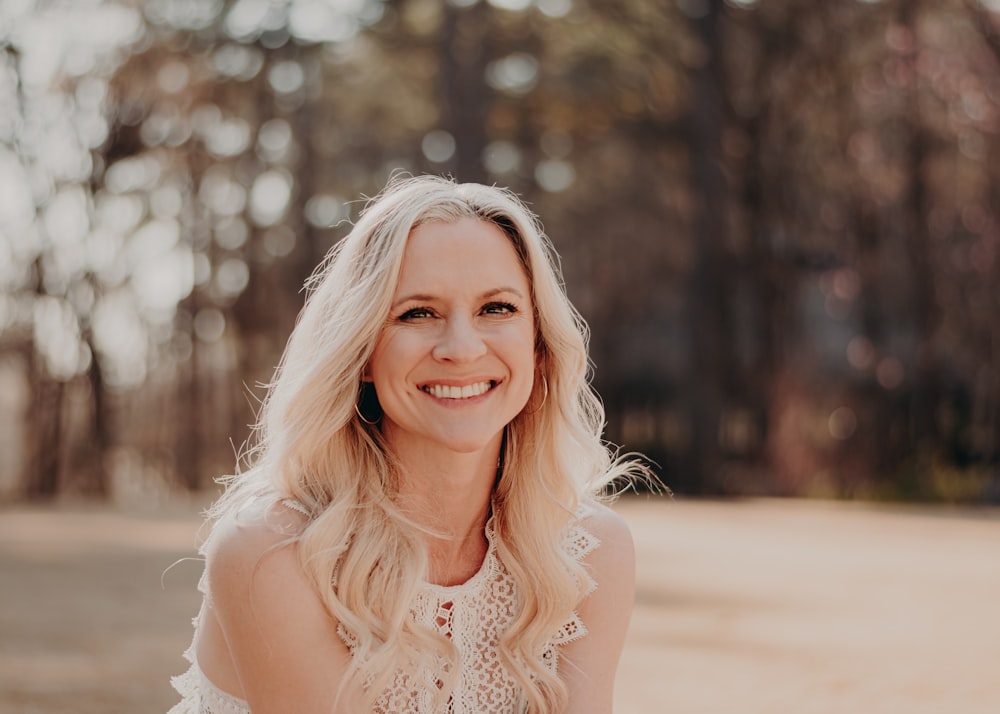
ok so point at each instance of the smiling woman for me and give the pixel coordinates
(456, 361)
(421, 528)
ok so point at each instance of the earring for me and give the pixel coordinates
(501, 457)
(367, 398)
(545, 395)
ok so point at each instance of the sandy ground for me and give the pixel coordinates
(754, 607)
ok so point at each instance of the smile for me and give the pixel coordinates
(444, 391)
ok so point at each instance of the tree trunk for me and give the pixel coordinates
(923, 432)
(94, 474)
(709, 282)
(464, 57)
(45, 429)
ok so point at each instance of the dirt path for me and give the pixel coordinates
(758, 607)
(781, 607)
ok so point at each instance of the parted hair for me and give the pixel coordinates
(366, 557)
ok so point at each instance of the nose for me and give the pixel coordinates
(460, 341)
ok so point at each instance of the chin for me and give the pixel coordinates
(471, 443)
(467, 446)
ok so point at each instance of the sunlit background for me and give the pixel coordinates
(779, 218)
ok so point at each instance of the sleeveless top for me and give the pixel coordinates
(473, 615)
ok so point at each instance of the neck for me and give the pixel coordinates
(450, 496)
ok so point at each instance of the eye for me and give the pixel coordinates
(416, 313)
(499, 308)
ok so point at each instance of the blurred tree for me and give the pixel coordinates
(779, 218)
(51, 274)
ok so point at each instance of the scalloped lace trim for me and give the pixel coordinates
(201, 696)
(473, 615)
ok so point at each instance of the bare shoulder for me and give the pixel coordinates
(612, 532)
(255, 555)
(605, 612)
(242, 543)
(278, 638)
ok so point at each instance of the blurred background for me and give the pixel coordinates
(779, 217)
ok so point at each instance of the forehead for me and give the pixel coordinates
(460, 253)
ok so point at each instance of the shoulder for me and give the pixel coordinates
(254, 544)
(280, 639)
(604, 522)
(614, 547)
(254, 530)
(605, 612)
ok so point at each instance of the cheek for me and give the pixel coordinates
(388, 353)
(523, 348)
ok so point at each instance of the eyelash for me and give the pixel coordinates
(415, 314)
(492, 308)
(505, 308)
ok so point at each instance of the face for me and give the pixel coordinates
(455, 361)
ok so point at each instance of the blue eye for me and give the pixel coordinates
(499, 308)
(415, 314)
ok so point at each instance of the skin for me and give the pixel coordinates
(462, 318)
(588, 665)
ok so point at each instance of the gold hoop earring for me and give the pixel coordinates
(362, 416)
(545, 385)
(363, 396)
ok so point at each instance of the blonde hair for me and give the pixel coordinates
(310, 445)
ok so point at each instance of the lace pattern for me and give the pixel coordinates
(198, 694)
(473, 615)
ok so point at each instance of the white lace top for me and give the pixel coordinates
(473, 615)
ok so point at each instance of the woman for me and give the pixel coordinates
(420, 530)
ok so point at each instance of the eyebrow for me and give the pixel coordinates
(426, 297)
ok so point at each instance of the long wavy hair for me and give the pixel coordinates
(365, 557)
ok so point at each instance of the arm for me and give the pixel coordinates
(281, 641)
(588, 664)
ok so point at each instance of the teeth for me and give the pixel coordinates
(442, 391)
